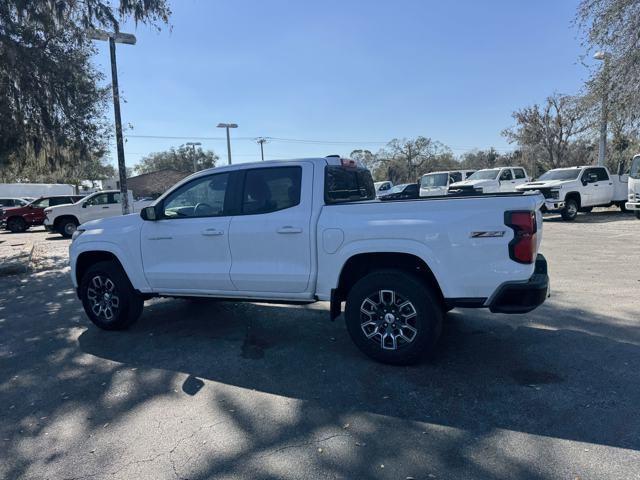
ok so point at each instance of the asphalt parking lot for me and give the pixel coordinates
(222, 390)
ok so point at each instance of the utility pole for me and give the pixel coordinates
(227, 126)
(193, 146)
(604, 110)
(261, 141)
(128, 39)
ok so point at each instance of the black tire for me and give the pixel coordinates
(17, 225)
(67, 226)
(426, 323)
(570, 210)
(93, 295)
(622, 207)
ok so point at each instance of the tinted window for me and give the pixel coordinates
(6, 202)
(602, 173)
(455, 177)
(635, 168)
(519, 173)
(202, 197)
(506, 175)
(59, 201)
(468, 174)
(411, 188)
(271, 189)
(343, 184)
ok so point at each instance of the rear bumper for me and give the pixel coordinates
(522, 297)
(632, 205)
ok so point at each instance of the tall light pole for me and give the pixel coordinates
(261, 141)
(227, 126)
(128, 39)
(193, 146)
(604, 114)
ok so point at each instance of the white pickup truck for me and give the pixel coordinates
(64, 219)
(634, 187)
(308, 230)
(492, 180)
(437, 183)
(579, 189)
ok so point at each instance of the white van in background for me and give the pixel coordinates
(437, 183)
(382, 188)
(634, 187)
(493, 180)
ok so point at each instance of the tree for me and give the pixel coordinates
(181, 159)
(51, 106)
(479, 159)
(404, 160)
(548, 131)
(612, 26)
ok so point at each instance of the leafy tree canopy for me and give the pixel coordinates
(183, 159)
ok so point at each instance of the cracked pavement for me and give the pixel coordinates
(206, 389)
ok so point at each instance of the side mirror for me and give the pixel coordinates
(149, 214)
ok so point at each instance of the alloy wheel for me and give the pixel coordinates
(388, 319)
(103, 301)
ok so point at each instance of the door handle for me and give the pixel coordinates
(289, 229)
(160, 238)
(105, 207)
(212, 232)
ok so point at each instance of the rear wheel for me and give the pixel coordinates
(17, 225)
(393, 317)
(570, 210)
(108, 298)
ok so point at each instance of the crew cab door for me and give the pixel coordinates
(101, 205)
(519, 176)
(597, 188)
(187, 249)
(270, 237)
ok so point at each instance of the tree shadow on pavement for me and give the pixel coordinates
(64, 383)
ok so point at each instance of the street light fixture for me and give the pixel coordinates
(602, 57)
(128, 39)
(193, 146)
(227, 126)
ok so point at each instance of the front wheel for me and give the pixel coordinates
(67, 227)
(108, 298)
(570, 210)
(393, 317)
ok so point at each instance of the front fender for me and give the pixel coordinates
(129, 259)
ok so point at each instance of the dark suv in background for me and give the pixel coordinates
(19, 219)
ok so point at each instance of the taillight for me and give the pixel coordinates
(522, 248)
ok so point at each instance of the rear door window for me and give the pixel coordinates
(271, 189)
(519, 173)
(602, 174)
(455, 177)
(343, 184)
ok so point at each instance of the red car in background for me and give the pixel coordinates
(19, 219)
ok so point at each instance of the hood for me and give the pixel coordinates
(119, 222)
(543, 184)
(471, 183)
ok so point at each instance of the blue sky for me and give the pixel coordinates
(342, 71)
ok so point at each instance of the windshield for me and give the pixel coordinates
(434, 180)
(563, 174)
(635, 168)
(485, 174)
